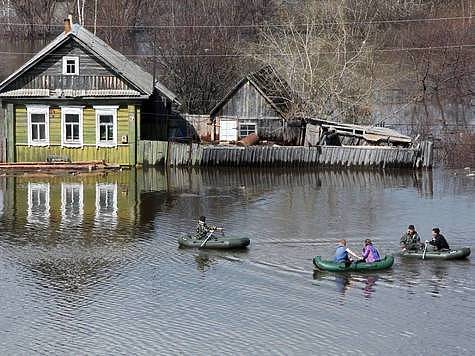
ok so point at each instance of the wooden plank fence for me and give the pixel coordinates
(179, 154)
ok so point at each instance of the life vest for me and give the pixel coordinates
(341, 255)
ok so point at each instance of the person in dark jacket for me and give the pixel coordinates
(438, 240)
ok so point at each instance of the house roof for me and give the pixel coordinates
(119, 63)
(272, 87)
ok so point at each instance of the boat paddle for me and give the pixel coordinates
(425, 250)
(207, 238)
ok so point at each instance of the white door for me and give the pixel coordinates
(228, 130)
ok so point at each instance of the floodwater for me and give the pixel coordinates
(90, 264)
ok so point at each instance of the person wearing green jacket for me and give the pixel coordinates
(410, 241)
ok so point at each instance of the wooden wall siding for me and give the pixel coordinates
(47, 74)
(247, 102)
(177, 154)
(113, 155)
(117, 155)
(89, 122)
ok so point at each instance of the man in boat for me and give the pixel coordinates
(410, 241)
(370, 253)
(342, 253)
(438, 240)
(203, 229)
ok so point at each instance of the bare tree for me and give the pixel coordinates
(327, 62)
(199, 53)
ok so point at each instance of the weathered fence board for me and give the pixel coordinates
(180, 154)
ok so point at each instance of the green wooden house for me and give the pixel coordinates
(81, 99)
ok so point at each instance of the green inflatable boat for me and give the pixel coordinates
(439, 255)
(328, 265)
(214, 242)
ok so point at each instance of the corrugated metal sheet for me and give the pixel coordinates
(123, 66)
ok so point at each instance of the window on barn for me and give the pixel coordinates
(106, 126)
(38, 125)
(246, 129)
(71, 126)
(71, 65)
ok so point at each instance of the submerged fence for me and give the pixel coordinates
(180, 154)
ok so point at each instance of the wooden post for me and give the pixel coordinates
(10, 133)
(132, 136)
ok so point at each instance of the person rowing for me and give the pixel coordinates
(410, 241)
(342, 253)
(204, 230)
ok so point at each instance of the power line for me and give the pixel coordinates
(238, 55)
(144, 27)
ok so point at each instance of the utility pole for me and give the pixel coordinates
(95, 16)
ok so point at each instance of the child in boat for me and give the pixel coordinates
(438, 240)
(410, 241)
(370, 253)
(342, 253)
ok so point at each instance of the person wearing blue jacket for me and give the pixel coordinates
(342, 253)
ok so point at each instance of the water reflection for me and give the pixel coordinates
(104, 256)
(204, 262)
(38, 203)
(347, 281)
(72, 203)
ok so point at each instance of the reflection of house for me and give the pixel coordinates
(106, 202)
(72, 203)
(80, 99)
(38, 203)
(66, 202)
(260, 103)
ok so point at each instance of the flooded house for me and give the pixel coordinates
(260, 103)
(80, 100)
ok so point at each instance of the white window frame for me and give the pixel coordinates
(64, 189)
(41, 110)
(106, 110)
(246, 123)
(72, 110)
(33, 187)
(76, 65)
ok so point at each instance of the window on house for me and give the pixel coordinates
(106, 126)
(38, 203)
(38, 125)
(71, 65)
(246, 129)
(71, 126)
(72, 202)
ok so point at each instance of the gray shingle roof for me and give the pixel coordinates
(119, 63)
